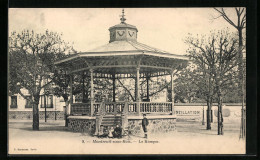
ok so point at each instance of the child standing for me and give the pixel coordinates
(145, 123)
(110, 134)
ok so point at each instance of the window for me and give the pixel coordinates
(13, 102)
(48, 101)
(28, 103)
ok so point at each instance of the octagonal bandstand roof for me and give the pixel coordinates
(122, 55)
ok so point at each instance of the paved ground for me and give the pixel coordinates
(190, 138)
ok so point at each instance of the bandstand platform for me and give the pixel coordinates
(122, 58)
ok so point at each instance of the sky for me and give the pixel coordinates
(87, 28)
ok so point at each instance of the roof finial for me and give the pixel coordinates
(123, 16)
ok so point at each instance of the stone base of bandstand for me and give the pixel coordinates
(84, 124)
(157, 124)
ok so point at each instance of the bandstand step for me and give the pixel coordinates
(111, 120)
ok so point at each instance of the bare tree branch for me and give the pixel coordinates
(223, 14)
(162, 88)
(126, 89)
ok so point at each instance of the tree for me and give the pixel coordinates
(216, 57)
(239, 25)
(188, 86)
(31, 60)
(195, 83)
(159, 84)
(61, 81)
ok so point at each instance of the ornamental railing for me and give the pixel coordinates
(132, 107)
(155, 106)
(96, 107)
(114, 107)
(118, 107)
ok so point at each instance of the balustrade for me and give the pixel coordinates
(132, 107)
(155, 107)
(114, 107)
(118, 107)
(96, 107)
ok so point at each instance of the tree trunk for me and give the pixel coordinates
(220, 115)
(241, 76)
(240, 66)
(209, 118)
(211, 113)
(209, 101)
(66, 113)
(35, 113)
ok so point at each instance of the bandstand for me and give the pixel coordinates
(123, 57)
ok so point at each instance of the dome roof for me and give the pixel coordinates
(123, 31)
(123, 25)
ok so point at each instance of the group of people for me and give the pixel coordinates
(110, 132)
(116, 132)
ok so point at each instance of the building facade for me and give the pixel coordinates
(20, 108)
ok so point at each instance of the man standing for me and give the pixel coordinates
(144, 125)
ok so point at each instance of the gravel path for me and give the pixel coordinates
(190, 138)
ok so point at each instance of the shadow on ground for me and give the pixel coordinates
(44, 126)
(48, 128)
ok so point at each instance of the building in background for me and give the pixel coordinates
(21, 108)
